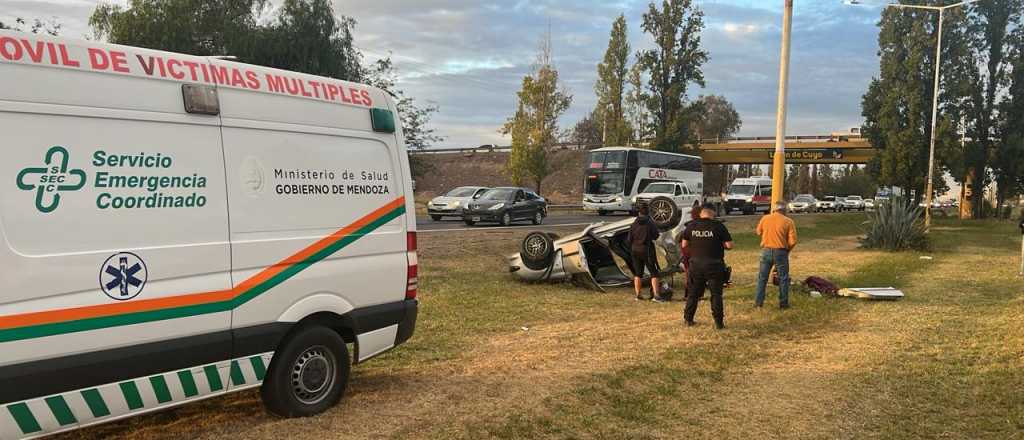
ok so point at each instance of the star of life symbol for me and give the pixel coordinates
(123, 276)
(49, 181)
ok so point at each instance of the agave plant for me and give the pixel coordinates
(896, 225)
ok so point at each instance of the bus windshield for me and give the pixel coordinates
(604, 183)
(742, 190)
(607, 160)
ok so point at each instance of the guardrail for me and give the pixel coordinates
(565, 207)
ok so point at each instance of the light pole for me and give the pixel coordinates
(935, 97)
(779, 162)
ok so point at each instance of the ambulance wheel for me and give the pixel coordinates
(537, 250)
(308, 374)
(664, 212)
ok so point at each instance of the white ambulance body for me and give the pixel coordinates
(175, 228)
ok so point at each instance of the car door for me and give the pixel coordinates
(536, 203)
(120, 272)
(520, 206)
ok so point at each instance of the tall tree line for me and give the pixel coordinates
(649, 102)
(980, 98)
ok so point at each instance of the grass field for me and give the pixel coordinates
(493, 358)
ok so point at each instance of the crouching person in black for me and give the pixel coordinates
(707, 239)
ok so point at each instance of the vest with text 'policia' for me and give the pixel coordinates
(706, 240)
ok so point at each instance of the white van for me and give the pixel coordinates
(175, 228)
(749, 195)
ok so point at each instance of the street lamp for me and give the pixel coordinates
(779, 161)
(935, 97)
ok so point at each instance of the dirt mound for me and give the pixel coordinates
(447, 171)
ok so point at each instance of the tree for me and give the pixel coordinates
(897, 106)
(534, 127)
(588, 131)
(675, 63)
(994, 21)
(825, 181)
(715, 118)
(1008, 164)
(611, 85)
(636, 104)
(196, 27)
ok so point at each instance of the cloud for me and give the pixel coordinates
(470, 56)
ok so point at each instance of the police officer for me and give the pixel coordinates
(707, 240)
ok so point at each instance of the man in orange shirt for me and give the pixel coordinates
(778, 238)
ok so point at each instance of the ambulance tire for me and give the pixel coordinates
(308, 375)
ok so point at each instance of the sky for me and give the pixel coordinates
(469, 56)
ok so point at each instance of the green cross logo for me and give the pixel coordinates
(49, 181)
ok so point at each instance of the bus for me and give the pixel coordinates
(612, 175)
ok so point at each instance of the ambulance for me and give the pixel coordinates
(174, 228)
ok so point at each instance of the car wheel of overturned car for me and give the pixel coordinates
(664, 212)
(538, 248)
(538, 218)
(506, 219)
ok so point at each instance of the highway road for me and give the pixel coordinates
(427, 225)
(451, 224)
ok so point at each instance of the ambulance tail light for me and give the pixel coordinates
(412, 279)
(412, 285)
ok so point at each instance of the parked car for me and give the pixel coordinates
(597, 257)
(453, 202)
(869, 204)
(677, 191)
(802, 203)
(506, 205)
(827, 203)
(853, 203)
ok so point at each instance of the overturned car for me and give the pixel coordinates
(598, 256)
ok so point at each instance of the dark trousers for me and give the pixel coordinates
(705, 274)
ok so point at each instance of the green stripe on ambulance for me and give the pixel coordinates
(65, 411)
